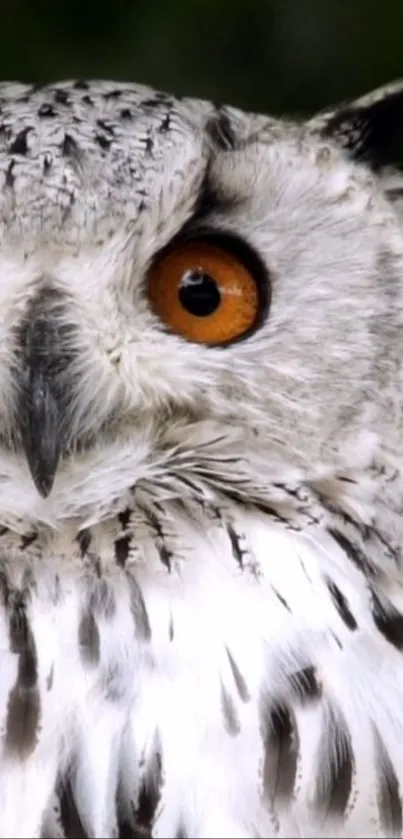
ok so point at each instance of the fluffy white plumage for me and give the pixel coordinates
(200, 620)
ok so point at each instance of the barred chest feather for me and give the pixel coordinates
(207, 673)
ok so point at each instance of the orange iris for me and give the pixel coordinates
(204, 292)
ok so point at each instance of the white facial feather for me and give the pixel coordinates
(200, 627)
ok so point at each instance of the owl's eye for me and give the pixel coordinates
(207, 291)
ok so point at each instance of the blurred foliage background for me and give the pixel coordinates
(270, 55)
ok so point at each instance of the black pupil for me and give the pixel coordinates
(199, 294)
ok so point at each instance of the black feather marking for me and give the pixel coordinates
(305, 685)
(281, 599)
(281, 746)
(27, 540)
(69, 146)
(238, 678)
(84, 538)
(220, 131)
(101, 598)
(171, 628)
(70, 819)
(104, 126)
(139, 610)
(336, 767)
(164, 553)
(50, 678)
(230, 715)
(126, 114)
(88, 638)
(235, 540)
(20, 632)
(370, 132)
(5, 588)
(126, 831)
(19, 144)
(46, 110)
(149, 795)
(112, 94)
(388, 792)
(24, 706)
(124, 518)
(341, 604)
(353, 552)
(394, 192)
(61, 97)
(103, 142)
(113, 682)
(122, 545)
(388, 621)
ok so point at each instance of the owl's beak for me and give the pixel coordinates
(39, 404)
(40, 430)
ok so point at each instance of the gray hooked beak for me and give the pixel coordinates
(39, 406)
(41, 433)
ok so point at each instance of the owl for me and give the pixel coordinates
(201, 467)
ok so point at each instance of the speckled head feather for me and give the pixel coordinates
(200, 541)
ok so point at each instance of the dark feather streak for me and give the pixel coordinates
(70, 818)
(388, 792)
(352, 551)
(101, 598)
(305, 685)
(388, 621)
(165, 554)
(139, 610)
(220, 131)
(149, 795)
(281, 752)
(171, 628)
(235, 541)
(238, 678)
(335, 769)
(341, 604)
(230, 715)
(370, 132)
(88, 638)
(281, 599)
(122, 544)
(84, 538)
(24, 706)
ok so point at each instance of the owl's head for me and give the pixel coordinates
(192, 297)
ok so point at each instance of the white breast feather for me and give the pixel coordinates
(227, 680)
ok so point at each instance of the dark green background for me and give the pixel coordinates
(289, 55)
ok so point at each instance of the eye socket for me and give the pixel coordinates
(207, 291)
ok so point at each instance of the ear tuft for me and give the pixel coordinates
(370, 129)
